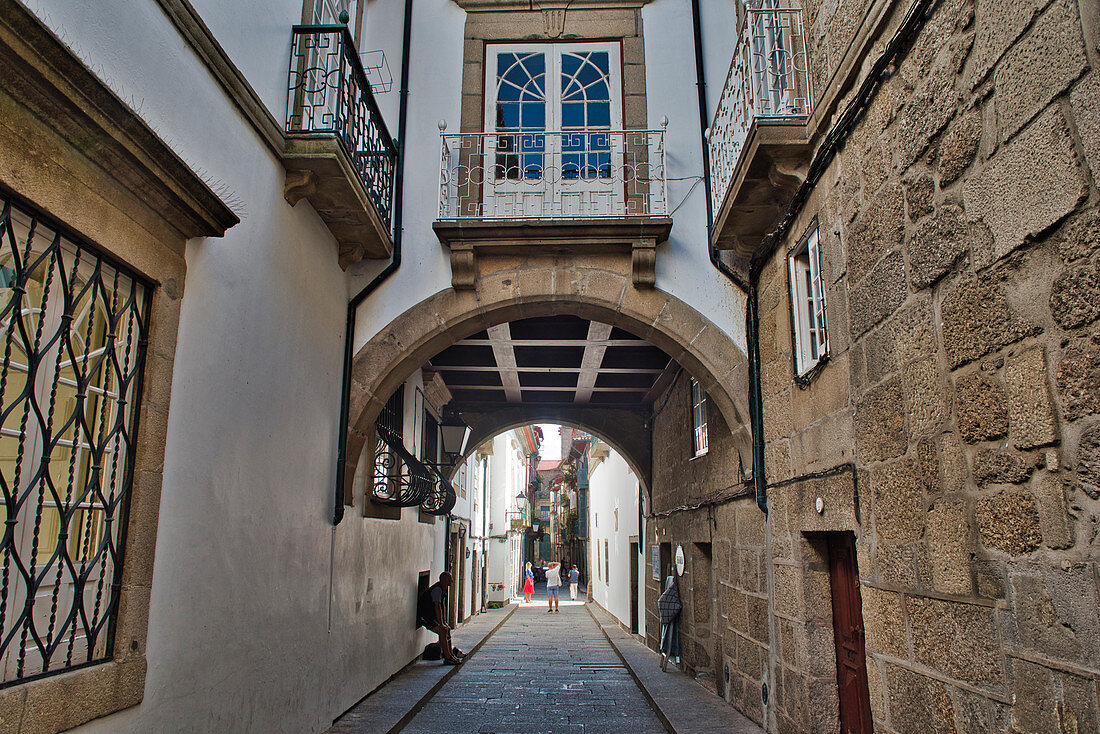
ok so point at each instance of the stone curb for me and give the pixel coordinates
(689, 705)
(412, 712)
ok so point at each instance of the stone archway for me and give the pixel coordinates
(513, 288)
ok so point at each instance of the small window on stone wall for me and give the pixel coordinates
(808, 303)
(698, 418)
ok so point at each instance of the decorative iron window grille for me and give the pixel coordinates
(768, 79)
(399, 479)
(329, 93)
(442, 498)
(75, 327)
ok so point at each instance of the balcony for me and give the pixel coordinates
(558, 190)
(338, 155)
(401, 480)
(758, 142)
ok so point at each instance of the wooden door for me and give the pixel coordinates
(851, 661)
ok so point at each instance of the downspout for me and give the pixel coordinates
(390, 269)
(756, 416)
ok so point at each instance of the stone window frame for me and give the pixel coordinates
(808, 245)
(488, 24)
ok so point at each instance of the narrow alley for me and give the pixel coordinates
(542, 673)
(335, 330)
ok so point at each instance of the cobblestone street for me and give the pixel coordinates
(541, 672)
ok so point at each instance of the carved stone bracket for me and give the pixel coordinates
(463, 267)
(470, 239)
(319, 171)
(643, 262)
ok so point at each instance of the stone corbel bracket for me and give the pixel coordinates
(319, 170)
(469, 239)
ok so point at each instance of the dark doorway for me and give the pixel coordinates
(461, 580)
(703, 612)
(475, 582)
(634, 587)
(423, 583)
(851, 660)
(484, 576)
(455, 568)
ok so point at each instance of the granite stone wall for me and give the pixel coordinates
(960, 237)
(955, 426)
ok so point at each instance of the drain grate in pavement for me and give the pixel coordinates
(600, 666)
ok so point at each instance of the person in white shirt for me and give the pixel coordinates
(553, 584)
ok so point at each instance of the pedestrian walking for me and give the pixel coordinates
(529, 584)
(574, 582)
(553, 584)
(668, 607)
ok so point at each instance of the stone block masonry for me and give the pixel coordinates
(960, 235)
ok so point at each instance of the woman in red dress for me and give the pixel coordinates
(529, 584)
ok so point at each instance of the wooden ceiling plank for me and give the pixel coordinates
(591, 361)
(506, 362)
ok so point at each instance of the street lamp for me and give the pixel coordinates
(453, 432)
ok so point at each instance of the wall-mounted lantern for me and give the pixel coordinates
(453, 432)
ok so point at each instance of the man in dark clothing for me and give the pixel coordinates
(430, 614)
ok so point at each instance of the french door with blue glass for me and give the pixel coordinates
(551, 110)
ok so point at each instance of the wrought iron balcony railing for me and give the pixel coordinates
(553, 174)
(768, 80)
(329, 93)
(402, 480)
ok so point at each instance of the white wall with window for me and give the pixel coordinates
(811, 343)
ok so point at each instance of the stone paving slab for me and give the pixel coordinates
(383, 709)
(685, 704)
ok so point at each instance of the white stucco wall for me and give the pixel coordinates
(505, 481)
(613, 488)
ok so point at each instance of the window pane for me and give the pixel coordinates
(572, 114)
(599, 114)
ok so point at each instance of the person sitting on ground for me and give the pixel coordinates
(430, 615)
(553, 583)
